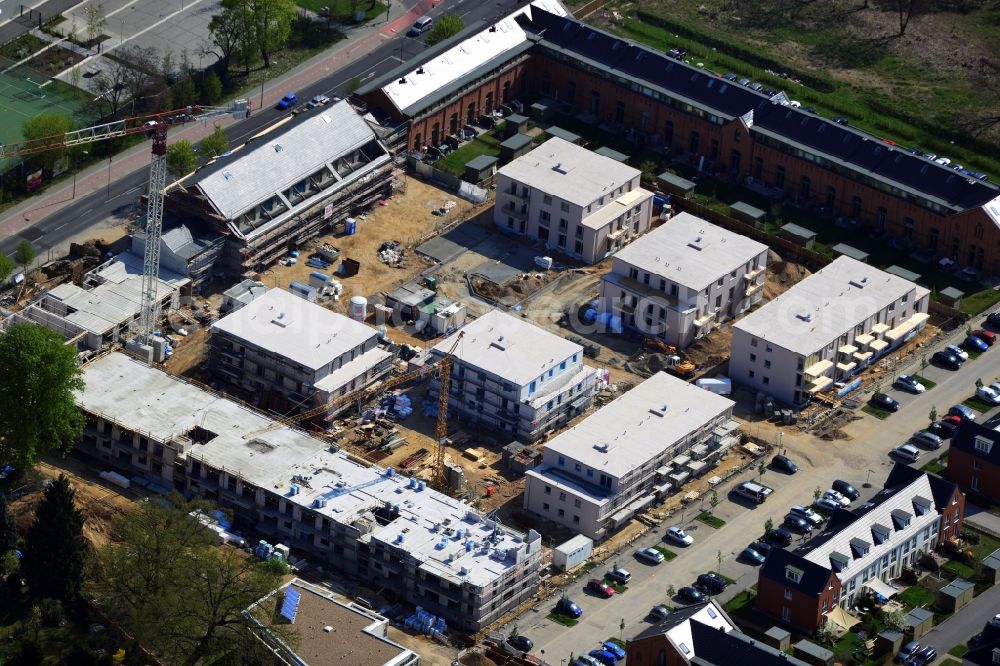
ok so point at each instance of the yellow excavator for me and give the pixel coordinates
(675, 361)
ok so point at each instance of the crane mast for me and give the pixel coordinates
(150, 313)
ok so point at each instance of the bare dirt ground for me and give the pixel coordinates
(782, 275)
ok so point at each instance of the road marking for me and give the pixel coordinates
(87, 211)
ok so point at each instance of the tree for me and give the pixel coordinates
(54, 548)
(905, 10)
(816, 493)
(184, 92)
(112, 81)
(6, 267)
(979, 382)
(143, 79)
(446, 26)
(165, 581)
(271, 22)
(933, 415)
(180, 158)
(923, 362)
(671, 591)
(714, 501)
(718, 558)
(95, 21)
(37, 410)
(228, 35)
(8, 529)
(352, 85)
(50, 126)
(215, 143)
(211, 88)
(761, 468)
(768, 525)
(895, 620)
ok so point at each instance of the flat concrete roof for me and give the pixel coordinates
(509, 347)
(639, 424)
(567, 171)
(291, 327)
(849, 251)
(690, 251)
(165, 407)
(823, 306)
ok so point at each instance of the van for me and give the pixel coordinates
(420, 26)
(928, 439)
(907, 452)
(753, 491)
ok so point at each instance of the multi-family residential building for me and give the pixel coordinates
(541, 56)
(684, 278)
(701, 635)
(515, 377)
(974, 459)
(289, 354)
(280, 483)
(633, 451)
(575, 201)
(329, 631)
(861, 549)
(824, 329)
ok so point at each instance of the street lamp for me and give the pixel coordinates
(867, 483)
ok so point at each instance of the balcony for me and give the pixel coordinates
(517, 193)
(818, 368)
(515, 211)
(617, 233)
(704, 319)
(753, 288)
(751, 275)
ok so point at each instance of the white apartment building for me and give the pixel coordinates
(281, 484)
(683, 278)
(582, 204)
(515, 377)
(289, 354)
(824, 329)
(596, 475)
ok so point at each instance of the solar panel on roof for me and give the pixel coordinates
(290, 606)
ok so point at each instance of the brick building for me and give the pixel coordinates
(667, 105)
(974, 459)
(860, 549)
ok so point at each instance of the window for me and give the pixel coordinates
(856, 207)
(779, 177)
(668, 133)
(570, 91)
(545, 506)
(713, 150)
(562, 497)
(793, 574)
(547, 200)
(577, 503)
(767, 380)
(564, 207)
(753, 358)
(977, 464)
(752, 374)
(908, 228)
(548, 490)
(788, 593)
(620, 112)
(804, 187)
(576, 519)
(753, 342)
(831, 196)
(758, 167)
(562, 513)
(595, 102)
(767, 364)
(693, 143)
(734, 160)
(983, 444)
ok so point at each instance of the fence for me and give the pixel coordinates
(589, 8)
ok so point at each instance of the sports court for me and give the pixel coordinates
(26, 92)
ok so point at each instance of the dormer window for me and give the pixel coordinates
(793, 574)
(860, 547)
(921, 505)
(983, 444)
(880, 533)
(900, 519)
(839, 561)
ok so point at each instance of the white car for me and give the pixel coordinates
(807, 515)
(957, 351)
(826, 504)
(987, 394)
(318, 100)
(995, 386)
(943, 161)
(836, 497)
(679, 536)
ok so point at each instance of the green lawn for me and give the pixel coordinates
(987, 544)
(977, 404)
(936, 466)
(876, 412)
(729, 581)
(710, 520)
(454, 163)
(928, 384)
(917, 596)
(958, 650)
(739, 601)
(974, 303)
(667, 553)
(562, 619)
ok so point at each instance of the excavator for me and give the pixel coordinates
(675, 361)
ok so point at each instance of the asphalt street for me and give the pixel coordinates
(820, 462)
(968, 621)
(90, 210)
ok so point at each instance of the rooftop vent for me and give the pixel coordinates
(227, 175)
(661, 410)
(559, 168)
(860, 283)
(280, 320)
(402, 80)
(278, 148)
(603, 447)
(420, 70)
(697, 243)
(805, 316)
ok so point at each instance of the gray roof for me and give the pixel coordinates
(677, 181)
(747, 209)
(797, 230)
(612, 153)
(952, 292)
(956, 588)
(565, 135)
(814, 650)
(517, 141)
(918, 616)
(903, 273)
(278, 160)
(849, 251)
(992, 560)
(481, 162)
(571, 173)
(690, 251)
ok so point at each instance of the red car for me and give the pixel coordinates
(600, 588)
(953, 419)
(986, 336)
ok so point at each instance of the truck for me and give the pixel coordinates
(720, 385)
(754, 491)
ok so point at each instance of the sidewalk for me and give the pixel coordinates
(360, 41)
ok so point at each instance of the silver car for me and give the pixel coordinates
(928, 439)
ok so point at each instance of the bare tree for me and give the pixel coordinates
(111, 88)
(905, 8)
(227, 30)
(95, 20)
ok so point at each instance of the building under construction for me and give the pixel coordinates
(286, 185)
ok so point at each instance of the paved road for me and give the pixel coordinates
(961, 626)
(820, 462)
(49, 220)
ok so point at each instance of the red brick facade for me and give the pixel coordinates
(654, 651)
(952, 517)
(973, 472)
(796, 608)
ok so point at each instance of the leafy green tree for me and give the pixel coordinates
(54, 548)
(180, 158)
(761, 468)
(816, 493)
(446, 26)
(6, 267)
(215, 143)
(184, 92)
(271, 25)
(37, 410)
(895, 620)
(228, 29)
(768, 525)
(933, 415)
(24, 255)
(211, 89)
(48, 126)
(671, 591)
(714, 501)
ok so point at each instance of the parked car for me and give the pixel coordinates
(318, 100)
(845, 489)
(943, 429)
(995, 386)
(751, 556)
(780, 536)
(907, 651)
(797, 524)
(679, 536)
(744, 82)
(604, 657)
(649, 555)
(988, 394)
(690, 595)
(953, 419)
(947, 359)
(600, 588)
(943, 161)
(836, 497)
(975, 344)
(989, 337)
(618, 575)
(730, 77)
(711, 583)
(585, 660)
(993, 319)
(762, 547)
(659, 613)
(567, 606)
(907, 452)
(784, 464)
(962, 412)
(826, 504)
(521, 643)
(757, 86)
(420, 26)
(908, 383)
(840, 120)
(884, 401)
(925, 656)
(928, 439)
(614, 649)
(806, 514)
(957, 351)
(288, 101)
